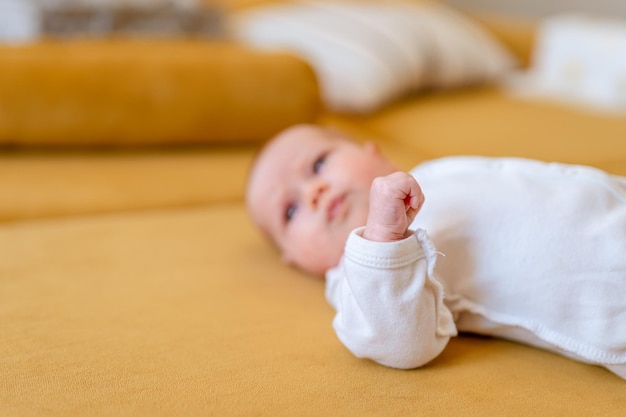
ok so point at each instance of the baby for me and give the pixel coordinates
(525, 250)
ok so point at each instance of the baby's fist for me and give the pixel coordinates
(395, 200)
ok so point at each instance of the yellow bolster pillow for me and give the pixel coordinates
(136, 92)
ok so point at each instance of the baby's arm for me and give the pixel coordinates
(389, 306)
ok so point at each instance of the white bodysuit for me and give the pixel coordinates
(513, 248)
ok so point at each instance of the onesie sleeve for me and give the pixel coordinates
(389, 305)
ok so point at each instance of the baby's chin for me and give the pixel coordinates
(328, 255)
(319, 266)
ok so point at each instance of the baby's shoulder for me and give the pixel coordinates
(505, 166)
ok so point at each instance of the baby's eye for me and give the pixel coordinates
(317, 165)
(290, 211)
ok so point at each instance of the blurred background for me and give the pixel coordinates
(544, 8)
(24, 19)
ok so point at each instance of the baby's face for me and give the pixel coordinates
(308, 189)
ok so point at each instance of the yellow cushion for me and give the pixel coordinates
(189, 312)
(517, 34)
(123, 92)
(487, 121)
(50, 184)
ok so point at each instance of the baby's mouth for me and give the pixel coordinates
(336, 207)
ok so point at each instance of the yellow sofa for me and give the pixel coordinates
(133, 283)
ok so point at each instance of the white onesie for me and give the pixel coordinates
(525, 250)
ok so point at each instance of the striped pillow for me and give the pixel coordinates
(367, 54)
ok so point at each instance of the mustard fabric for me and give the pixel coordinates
(63, 183)
(189, 312)
(516, 34)
(137, 92)
(133, 283)
(488, 121)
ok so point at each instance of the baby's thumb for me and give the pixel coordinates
(413, 207)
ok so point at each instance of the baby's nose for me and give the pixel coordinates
(316, 188)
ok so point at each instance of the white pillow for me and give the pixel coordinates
(369, 53)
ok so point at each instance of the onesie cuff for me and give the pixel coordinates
(394, 254)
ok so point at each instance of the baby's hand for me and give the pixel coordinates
(395, 200)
